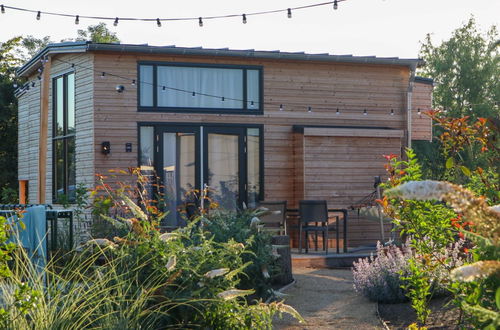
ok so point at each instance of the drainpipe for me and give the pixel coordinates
(409, 105)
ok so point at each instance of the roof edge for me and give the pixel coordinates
(424, 80)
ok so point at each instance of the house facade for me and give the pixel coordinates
(250, 125)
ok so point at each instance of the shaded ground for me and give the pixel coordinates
(400, 316)
(327, 300)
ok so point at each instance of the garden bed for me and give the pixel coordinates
(400, 316)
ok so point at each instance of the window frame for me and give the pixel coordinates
(243, 111)
(65, 137)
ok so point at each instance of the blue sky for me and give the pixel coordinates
(359, 27)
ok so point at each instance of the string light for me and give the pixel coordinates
(39, 77)
(38, 15)
(77, 20)
(158, 22)
(33, 84)
(244, 19)
(14, 85)
(419, 112)
(193, 93)
(251, 104)
(288, 11)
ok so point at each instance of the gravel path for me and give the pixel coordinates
(327, 300)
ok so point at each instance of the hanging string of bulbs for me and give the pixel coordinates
(133, 82)
(158, 20)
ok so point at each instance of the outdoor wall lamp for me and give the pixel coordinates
(106, 147)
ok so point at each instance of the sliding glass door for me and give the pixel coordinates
(187, 158)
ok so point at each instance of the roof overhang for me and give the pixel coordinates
(83, 46)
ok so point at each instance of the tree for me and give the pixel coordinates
(465, 69)
(98, 33)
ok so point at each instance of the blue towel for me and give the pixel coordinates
(33, 237)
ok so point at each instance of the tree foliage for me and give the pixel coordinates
(465, 69)
(97, 33)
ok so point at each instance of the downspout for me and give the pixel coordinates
(409, 104)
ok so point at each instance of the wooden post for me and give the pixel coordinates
(23, 185)
(44, 123)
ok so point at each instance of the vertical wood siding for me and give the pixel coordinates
(421, 124)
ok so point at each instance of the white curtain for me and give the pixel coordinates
(146, 80)
(227, 83)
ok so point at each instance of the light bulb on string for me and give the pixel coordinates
(103, 75)
(365, 112)
(289, 13)
(419, 112)
(223, 99)
(77, 20)
(337, 112)
(244, 19)
(392, 112)
(33, 84)
(2, 9)
(164, 88)
(133, 82)
(309, 109)
(251, 104)
(281, 107)
(158, 22)
(116, 22)
(335, 5)
(200, 22)
(193, 94)
(38, 15)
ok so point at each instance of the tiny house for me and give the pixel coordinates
(251, 125)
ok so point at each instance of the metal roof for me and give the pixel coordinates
(83, 46)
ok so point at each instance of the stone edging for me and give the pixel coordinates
(386, 327)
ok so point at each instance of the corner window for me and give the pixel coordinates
(63, 138)
(200, 88)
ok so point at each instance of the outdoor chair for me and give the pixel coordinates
(314, 211)
(275, 220)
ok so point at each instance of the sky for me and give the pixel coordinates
(358, 27)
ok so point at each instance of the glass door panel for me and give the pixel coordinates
(178, 174)
(223, 169)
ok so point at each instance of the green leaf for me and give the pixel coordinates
(449, 163)
(465, 170)
(497, 297)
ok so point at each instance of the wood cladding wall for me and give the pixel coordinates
(295, 166)
(421, 99)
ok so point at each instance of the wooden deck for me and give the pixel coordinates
(318, 259)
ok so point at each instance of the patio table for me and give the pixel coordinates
(295, 213)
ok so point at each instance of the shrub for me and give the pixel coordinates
(379, 278)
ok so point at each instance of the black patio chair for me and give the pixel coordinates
(314, 211)
(275, 220)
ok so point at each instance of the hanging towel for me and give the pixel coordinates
(33, 237)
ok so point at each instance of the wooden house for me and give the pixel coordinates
(252, 125)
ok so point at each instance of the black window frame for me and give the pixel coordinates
(66, 137)
(258, 110)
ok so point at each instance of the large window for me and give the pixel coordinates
(200, 88)
(63, 138)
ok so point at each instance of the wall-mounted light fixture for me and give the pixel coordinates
(106, 147)
(120, 88)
